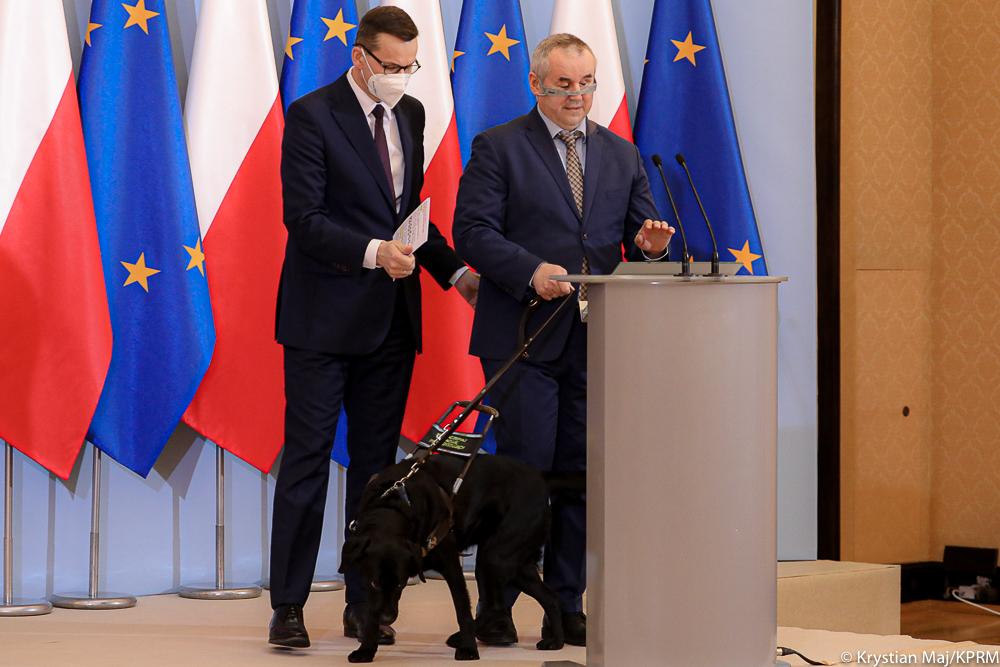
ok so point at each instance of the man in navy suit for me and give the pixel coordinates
(349, 299)
(547, 194)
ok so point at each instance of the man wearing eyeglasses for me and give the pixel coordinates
(349, 299)
(547, 194)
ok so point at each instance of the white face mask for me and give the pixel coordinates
(387, 87)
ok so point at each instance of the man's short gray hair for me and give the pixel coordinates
(561, 40)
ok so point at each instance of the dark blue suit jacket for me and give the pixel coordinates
(336, 199)
(515, 210)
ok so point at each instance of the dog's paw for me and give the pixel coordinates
(467, 653)
(361, 655)
(455, 641)
(549, 645)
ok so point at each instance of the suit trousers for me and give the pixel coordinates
(543, 422)
(372, 388)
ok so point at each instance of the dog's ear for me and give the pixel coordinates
(354, 551)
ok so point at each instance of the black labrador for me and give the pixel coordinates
(502, 507)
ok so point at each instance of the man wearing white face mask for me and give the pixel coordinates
(349, 299)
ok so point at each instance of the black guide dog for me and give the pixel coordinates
(502, 507)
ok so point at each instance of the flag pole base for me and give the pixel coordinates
(326, 584)
(212, 592)
(319, 585)
(19, 607)
(101, 601)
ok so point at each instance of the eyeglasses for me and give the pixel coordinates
(393, 68)
(589, 89)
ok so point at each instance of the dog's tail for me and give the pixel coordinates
(566, 484)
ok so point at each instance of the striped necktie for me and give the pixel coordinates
(574, 172)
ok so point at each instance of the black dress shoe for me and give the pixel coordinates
(574, 628)
(496, 630)
(287, 628)
(353, 614)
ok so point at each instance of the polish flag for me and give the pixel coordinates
(55, 344)
(594, 23)
(444, 372)
(233, 123)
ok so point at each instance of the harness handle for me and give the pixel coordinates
(476, 404)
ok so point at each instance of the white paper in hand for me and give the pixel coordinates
(413, 231)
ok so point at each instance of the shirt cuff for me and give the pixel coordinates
(666, 250)
(371, 254)
(458, 274)
(531, 281)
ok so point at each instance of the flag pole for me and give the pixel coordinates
(11, 606)
(94, 598)
(326, 583)
(219, 590)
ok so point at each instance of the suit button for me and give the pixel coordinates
(585, 236)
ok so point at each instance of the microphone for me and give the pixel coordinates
(715, 248)
(686, 260)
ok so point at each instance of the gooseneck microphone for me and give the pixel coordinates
(686, 260)
(715, 248)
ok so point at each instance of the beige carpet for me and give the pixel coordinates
(168, 631)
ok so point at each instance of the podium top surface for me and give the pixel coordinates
(669, 279)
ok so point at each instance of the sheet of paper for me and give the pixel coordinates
(413, 231)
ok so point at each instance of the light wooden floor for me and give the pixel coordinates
(953, 621)
(166, 631)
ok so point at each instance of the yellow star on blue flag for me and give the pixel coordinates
(197, 258)
(138, 272)
(138, 15)
(501, 43)
(337, 27)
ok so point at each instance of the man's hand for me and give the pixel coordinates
(468, 286)
(653, 237)
(397, 259)
(545, 287)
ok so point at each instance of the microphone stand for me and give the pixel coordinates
(715, 248)
(686, 260)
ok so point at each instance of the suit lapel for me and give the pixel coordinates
(539, 138)
(592, 173)
(406, 139)
(351, 119)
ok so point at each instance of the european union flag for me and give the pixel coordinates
(317, 53)
(489, 69)
(684, 108)
(154, 267)
(318, 50)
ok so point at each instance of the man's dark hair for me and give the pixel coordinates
(389, 20)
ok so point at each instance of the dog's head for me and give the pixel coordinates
(385, 563)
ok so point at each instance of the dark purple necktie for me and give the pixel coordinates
(382, 146)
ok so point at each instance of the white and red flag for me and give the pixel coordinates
(55, 342)
(233, 123)
(595, 24)
(444, 372)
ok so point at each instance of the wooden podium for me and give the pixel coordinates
(681, 446)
